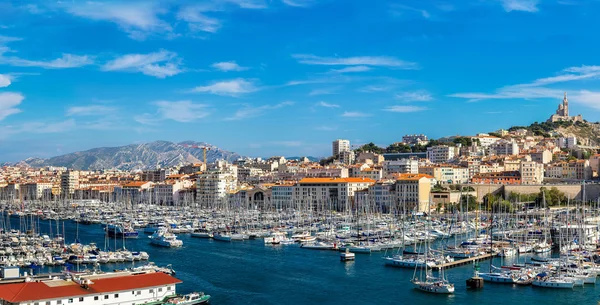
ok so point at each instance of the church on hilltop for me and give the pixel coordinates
(562, 114)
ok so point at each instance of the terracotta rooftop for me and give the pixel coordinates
(36, 291)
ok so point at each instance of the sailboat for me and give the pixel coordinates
(430, 283)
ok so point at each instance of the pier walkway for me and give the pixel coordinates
(462, 262)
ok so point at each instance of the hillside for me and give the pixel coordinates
(135, 156)
(587, 133)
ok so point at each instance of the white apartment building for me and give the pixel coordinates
(36, 190)
(69, 181)
(568, 142)
(375, 173)
(446, 174)
(402, 166)
(340, 146)
(415, 139)
(214, 185)
(440, 153)
(336, 193)
(381, 196)
(504, 147)
(347, 157)
(531, 172)
(485, 140)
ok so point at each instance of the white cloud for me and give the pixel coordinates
(248, 4)
(5, 80)
(520, 5)
(249, 111)
(404, 109)
(374, 88)
(415, 96)
(8, 103)
(327, 105)
(324, 91)
(138, 18)
(351, 69)
(90, 110)
(355, 114)
(399, 9)
(182, 111)
(7, 39)
(383, 61)
(38, 127)
(233, 87)
(159, 64)
(298, 3)
(65, 61)
(326, 128)
(197, 20)
(227, 66)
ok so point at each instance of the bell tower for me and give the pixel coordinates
(565, 106)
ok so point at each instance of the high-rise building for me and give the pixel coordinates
(440, 153)
(340, 146)
(69, 181)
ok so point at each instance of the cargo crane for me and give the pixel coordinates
(204, 149)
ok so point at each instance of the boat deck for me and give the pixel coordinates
(462, 262)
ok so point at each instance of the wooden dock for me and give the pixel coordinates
(462, 262)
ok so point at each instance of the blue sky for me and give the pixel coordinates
(286, 77)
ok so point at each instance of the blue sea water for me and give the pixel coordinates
(250, 272)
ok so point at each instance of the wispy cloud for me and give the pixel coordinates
(65, 61)
(401, 9)
(227, 66)
(415, 96)
(326, 128)
(249, 111)
(324, 91)
(249, 4)
(520, 5)
(197, 19)
(179, 111)
(539, 88)
(374, 88)
(5, 80)
(355, 114)
(159, 64)
(327, 105)
(38, 127)
(404, 109)
(138, 18)
(233, 87)
(288, 143)
(298, 3)
(90, 110)
(382, 61)
(8, 103)
(351, 69)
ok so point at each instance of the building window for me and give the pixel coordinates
(70, 300)
(106, 297)
(58, 302)
(81, 299)
(96, 298)
(151, 290)
(116, 295)
(160, 289)
(169, 288)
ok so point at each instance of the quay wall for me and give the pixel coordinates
(573, 191)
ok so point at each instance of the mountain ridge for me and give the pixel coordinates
(135, 156)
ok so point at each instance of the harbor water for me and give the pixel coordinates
(249, 272)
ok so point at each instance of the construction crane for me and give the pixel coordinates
(204, 149)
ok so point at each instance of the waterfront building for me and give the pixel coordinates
(108, 288)
(334, 192)
(213, 185)
(440, 153)
(282, 195)
(382, 195)
(339, 146)
(412, 192)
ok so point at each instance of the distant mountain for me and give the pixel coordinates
(135, 156)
